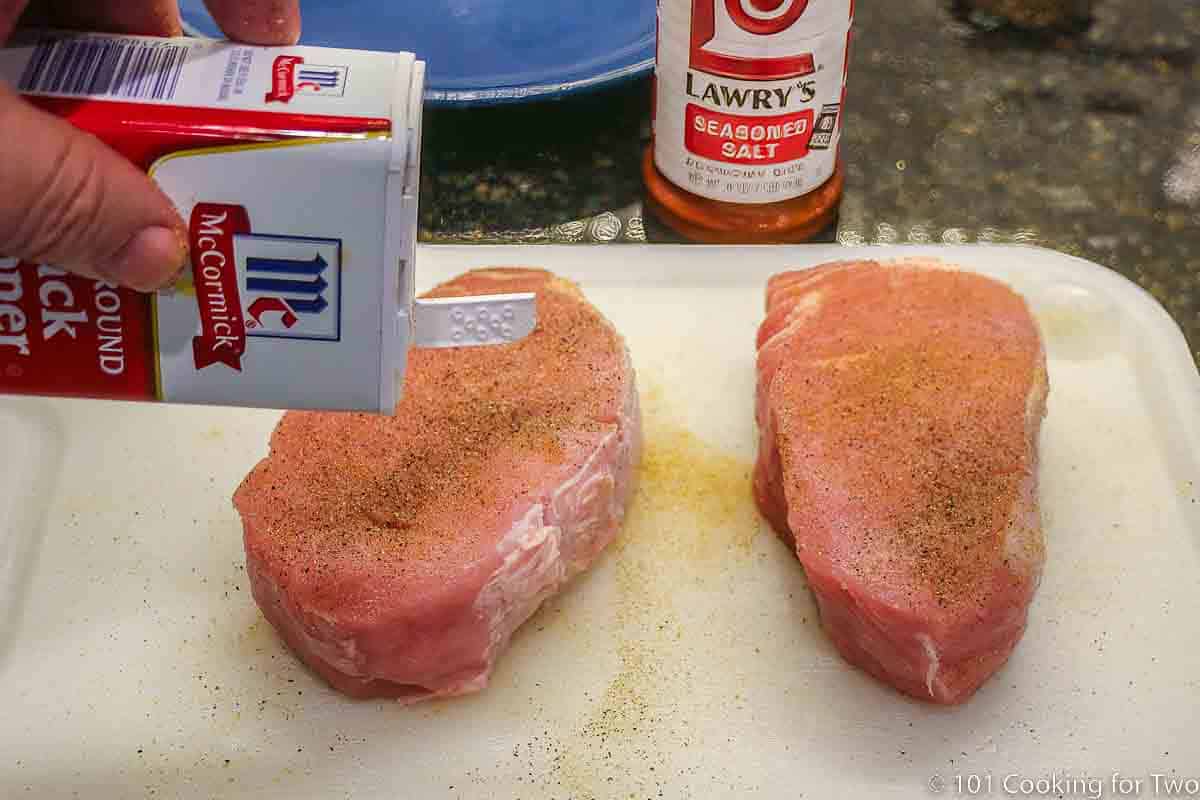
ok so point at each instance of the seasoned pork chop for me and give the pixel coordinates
(899, 407)
(397, 555)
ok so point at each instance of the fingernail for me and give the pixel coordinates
(152, 259)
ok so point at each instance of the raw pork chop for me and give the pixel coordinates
(899, 407)
(397, 555)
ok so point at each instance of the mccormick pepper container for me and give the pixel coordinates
(296, 170)
(747, 118)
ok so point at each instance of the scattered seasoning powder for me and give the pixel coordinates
(478, 432)
(916, 423)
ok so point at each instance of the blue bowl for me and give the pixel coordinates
(481, 52)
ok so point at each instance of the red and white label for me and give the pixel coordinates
(222, 338)
(290, 224)
(283, 79)
(748, 96)
(72, 336)
(738, 139)
(290, 75)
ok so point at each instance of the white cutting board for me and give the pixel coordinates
(688, 663)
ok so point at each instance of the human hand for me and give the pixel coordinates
(67, 199)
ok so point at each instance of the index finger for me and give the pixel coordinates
(258, 21)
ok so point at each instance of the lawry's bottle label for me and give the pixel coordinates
(749, 95)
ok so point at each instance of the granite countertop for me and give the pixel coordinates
(960, 128)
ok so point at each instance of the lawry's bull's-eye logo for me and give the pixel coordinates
(765, 17)
(259, 285)
(291, 76)
(734, 38)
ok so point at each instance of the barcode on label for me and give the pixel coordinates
(85, 67)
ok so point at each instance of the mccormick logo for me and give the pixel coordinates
(290, 76)
(728, 37)
(259, 285)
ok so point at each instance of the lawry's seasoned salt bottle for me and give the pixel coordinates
(748, 112)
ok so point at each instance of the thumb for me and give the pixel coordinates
(66, 199)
